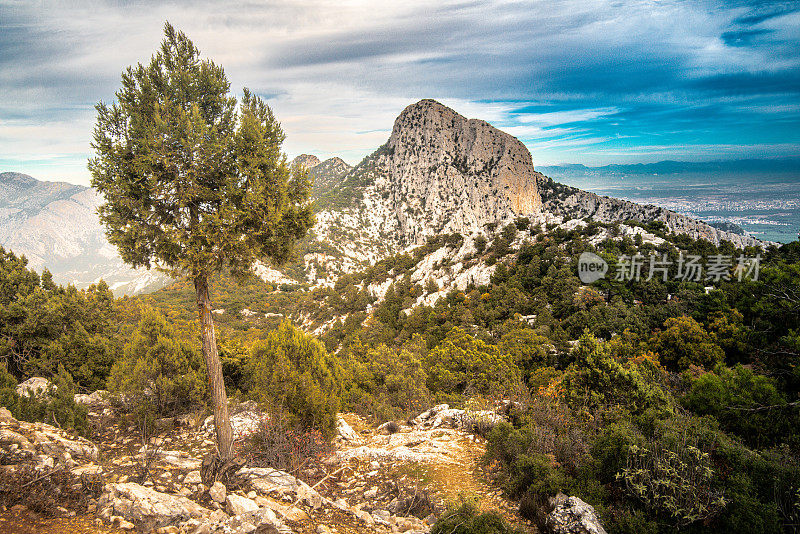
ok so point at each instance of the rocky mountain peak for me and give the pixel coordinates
(306, 160)
(447, 173)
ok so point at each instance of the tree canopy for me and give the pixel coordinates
(193, 180)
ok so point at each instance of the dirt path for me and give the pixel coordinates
(447, 463)
(27, 523)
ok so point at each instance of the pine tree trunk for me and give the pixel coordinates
(222, 424)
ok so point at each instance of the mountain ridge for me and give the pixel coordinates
(438, 173)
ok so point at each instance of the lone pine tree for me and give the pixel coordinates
(195, 182)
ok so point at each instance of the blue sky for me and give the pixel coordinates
(578, 81)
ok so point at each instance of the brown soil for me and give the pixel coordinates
(29, 523)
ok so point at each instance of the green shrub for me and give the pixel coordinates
(480, 243)
(597, 379)
(745, 403)
(678, 483)
(292, 371)
(463, 364)
(88, 356)
(388, 383)
(56, 406)
(611, 447)
(683, 343)
(523, 468)
(465, 518)
(158, 374)
(528, 349)
(761, 488)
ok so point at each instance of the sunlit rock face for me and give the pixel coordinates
(445, 173)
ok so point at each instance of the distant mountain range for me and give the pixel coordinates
(55, 225)
(438, 173)
(740, 166)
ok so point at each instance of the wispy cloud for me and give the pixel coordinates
(576, 80)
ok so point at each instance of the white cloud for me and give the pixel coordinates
(337, 74)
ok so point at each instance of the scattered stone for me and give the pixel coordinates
(238, 505)
(345, 431)
(261, 521)
(217, 492)
(573, 517)
(34, 386)
(178, 459)
(193, 477)
(365, 516)
(146, 508)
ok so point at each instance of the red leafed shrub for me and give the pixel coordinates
(285, 447)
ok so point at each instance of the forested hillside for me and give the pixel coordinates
(663, 404)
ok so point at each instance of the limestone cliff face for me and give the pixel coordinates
(442, 172)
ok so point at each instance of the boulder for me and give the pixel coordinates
(9, 437)
(238, 505)
(51, 441)
(218, 492)
(429, 414)
(573, 517)
(7, 419)
(96, 398)
(345, 431)
(268, 480)
(35, 385)
(146, 508)
(193, 477)
(245, 419)
(259, 521)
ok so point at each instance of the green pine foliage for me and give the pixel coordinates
(158, 374)
(385, 383)
(43, 325)
(684, 342)
(291, 371)
(56, 406)
(463, 365)
(194, 181)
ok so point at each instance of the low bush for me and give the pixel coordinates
(292, 370)
(464, 365)
(684, 342)
(388, 384)
(159, 374)
(47, 491)
(280, 445)
(676, 484)
(56, 406)
(465, 518)
(745, 403)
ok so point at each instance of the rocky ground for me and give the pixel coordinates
(397, 477)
